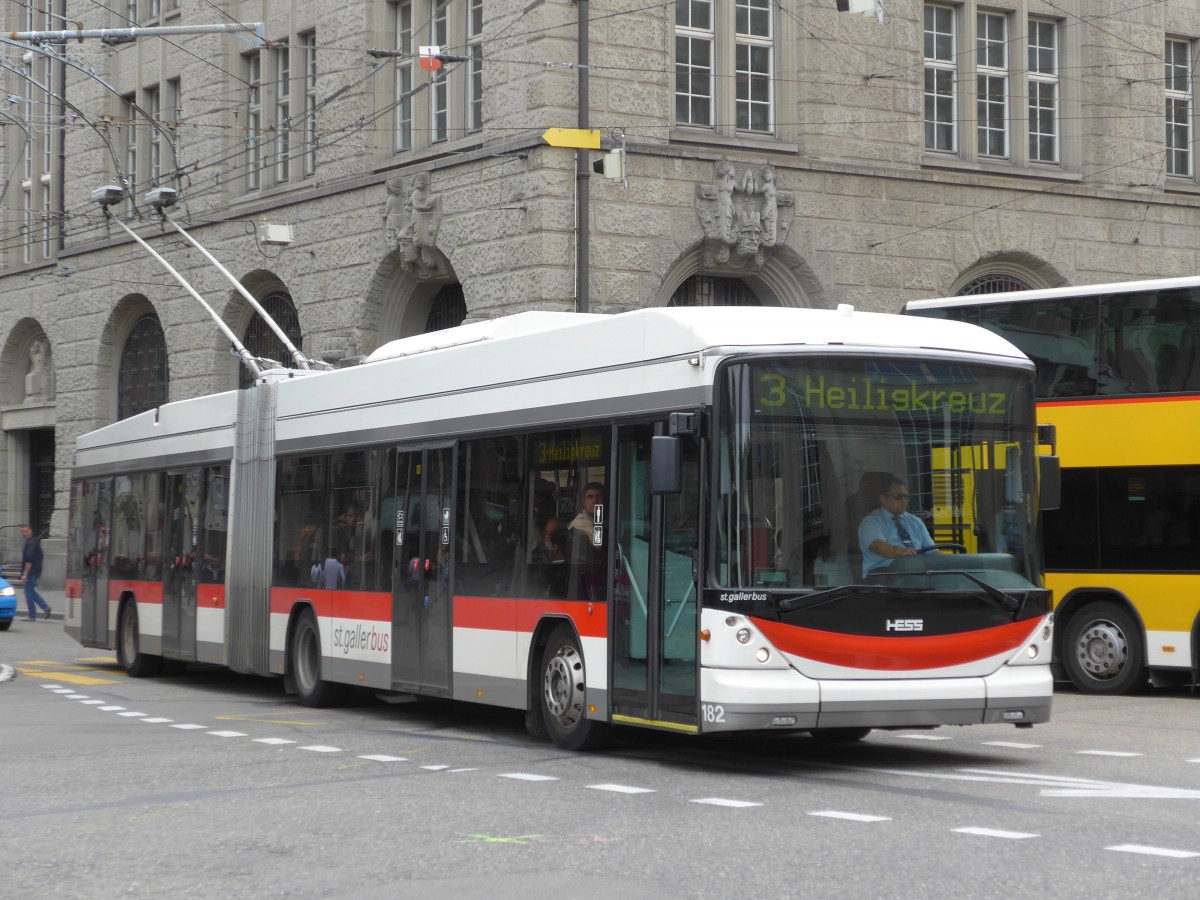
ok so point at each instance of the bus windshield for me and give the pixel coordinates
(819, 459)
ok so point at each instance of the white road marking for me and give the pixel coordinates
(77, 696)
(64, 690)
(719, 801)
(1014, 745)
(1106, 753)
(381, 757)
(525, 776)
(111, 708)
(620, 789)
(1059, 786)
(1153, 851)
(157, 721)
(925, 737)
(188, 727)
(849, 816)
(273, 741)
(228, 733)
(994, 832)
(93, 702)
(322, 748)
(468, 769)
(132, 715)
(435, 768)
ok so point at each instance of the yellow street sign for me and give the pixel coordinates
(579, 138)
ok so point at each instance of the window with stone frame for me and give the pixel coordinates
(725, 65)
(1178, 84)
(443, 101)
(975, 58)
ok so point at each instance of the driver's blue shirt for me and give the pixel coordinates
(880, 525)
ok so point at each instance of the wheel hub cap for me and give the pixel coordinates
(1103, 650)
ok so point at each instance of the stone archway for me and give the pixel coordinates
(784, 279)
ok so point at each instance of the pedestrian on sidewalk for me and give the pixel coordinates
(31, 566)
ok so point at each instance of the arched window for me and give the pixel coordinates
(262, 341)
(992, 284)
(447, 310)
(709, 290)
(143, 378)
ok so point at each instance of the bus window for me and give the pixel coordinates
(490, 549)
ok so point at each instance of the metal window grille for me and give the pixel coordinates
(143, 377)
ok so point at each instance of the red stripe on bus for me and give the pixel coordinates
(897, 654)
(365, 605)
(143, 591)
(73, 589)
(512, 614)
(210, 596)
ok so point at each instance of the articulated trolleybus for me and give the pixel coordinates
(646, 519)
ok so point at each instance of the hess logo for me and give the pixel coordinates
(905, 625)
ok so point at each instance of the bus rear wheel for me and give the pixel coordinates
(131, 659)
(1102, 650)
(305, 665)
(563, 693)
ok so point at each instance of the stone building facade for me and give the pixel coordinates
(778, 153)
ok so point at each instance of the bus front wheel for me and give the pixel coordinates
(131, 659)
(562, 693)
(1102, 650)
(305, 663)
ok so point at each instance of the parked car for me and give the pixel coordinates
(8, 602)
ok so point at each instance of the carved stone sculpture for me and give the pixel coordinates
(39, 383)
(411, 216)
(744, 215)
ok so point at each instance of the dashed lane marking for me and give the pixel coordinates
(849, 816)
(274, 741)
(996, 832)
(187, 727)
(1012, 745)
(526, 776)
(1107, 753)
(1153, 851)
(721, 801)
(383, 757)
(322, 748)
(157, 720)
(228, 734)
(621, 788)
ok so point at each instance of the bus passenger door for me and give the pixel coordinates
(423, 520)
(654, 609)
(95, 512)
(185, 495)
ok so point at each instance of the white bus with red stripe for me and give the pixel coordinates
(645, 519)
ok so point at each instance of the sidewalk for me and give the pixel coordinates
(56, 599)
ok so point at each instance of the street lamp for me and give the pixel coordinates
(162, 198)
(112, 194)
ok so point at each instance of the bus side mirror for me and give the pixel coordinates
(666, 465)
(1049, 483)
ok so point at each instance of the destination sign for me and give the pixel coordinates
(867, 393)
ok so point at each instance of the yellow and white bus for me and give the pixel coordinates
(1119, 376)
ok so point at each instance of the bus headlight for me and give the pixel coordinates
(1032, 651)
(762, 654)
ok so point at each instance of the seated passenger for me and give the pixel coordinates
(891, 531)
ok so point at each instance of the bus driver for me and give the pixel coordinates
(891, 531)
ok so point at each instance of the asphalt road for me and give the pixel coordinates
(208, 784)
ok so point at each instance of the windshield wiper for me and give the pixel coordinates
(819, 598)
(994, 595)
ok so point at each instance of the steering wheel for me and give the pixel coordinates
(958, 547)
